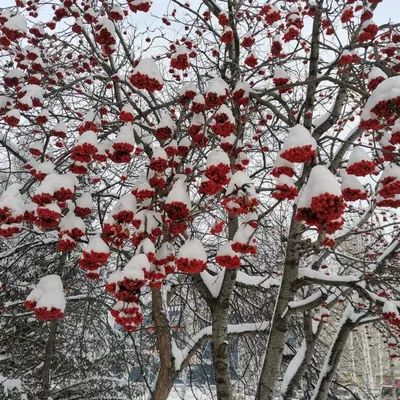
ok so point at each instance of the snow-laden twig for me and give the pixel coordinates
(181, 356)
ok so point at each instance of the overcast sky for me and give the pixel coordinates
(384, 11)
(383, 14)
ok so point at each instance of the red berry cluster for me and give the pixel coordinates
(177, 211)
(251, 61)
(190, 266)
(106, 40)
(361, 168)
(128, 315)
(143, 81)
(163, 133)
(247, 42)
(47, 314)
(126, 116)
(271, 15)
(324, 209)
(368, 33)
(237, 205)
(278, 171)
(142, 6)
(301, 154)
(210, 188)
(285, 192)
(227, 37)
(218, 173)
(241, 97)
(350, 194)
(373, 83)
(229, 262)
(245, 248)
(47, 218)
(181, 62)
(83, 152)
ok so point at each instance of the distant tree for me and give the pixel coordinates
(195, 190)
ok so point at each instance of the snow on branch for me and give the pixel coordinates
(309, 274)
(260, 281)
(183, 356)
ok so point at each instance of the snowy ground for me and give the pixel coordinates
(185, 392)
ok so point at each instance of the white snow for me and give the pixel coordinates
(285, 180)
(89, 137)
(148, 67)
(281, 74)
(218, 86)
(126, 203)
(321, 181)
(312, 274)
(71, 221)
(213, 282)
(350, 181)
(167, 122)
(9, 385)
(159, 152)
(134, 268)
(386, 90)
(193, 249)
(243, 85)
(17, 23)
(299, 136)
(217, 156)
(376, 72)
(49, 293)
(251, 280)
(125, 135)
(293, 366)
(243, 234)
(207, 331)
(300, 303)
(85, 201)
(224, 109)
(358, 154)
(242, 182)
(178, 193)
(188, 87)
(98, 245)
(146, 246)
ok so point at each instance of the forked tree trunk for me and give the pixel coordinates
(311, 341)
(330, 366)
(277, 336)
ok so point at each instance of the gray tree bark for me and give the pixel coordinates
(329, 370)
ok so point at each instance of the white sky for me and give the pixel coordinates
(388, 10)
(384, 12)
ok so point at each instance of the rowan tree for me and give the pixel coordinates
(192, 181)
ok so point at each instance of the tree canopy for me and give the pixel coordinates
(203, 193)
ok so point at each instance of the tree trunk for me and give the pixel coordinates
(220, 343)
(330, 366)
(51, 344)
(220, 353)
(48, 357)
(166, 373)
(277, 336)
(311, 339)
